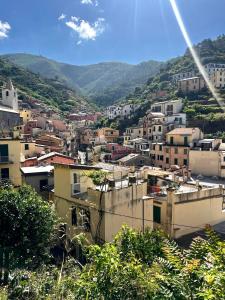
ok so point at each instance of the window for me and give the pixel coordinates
(154, 128)
(185, 140)
(156, 214)
(185, 162)
(5, 173)
(161, 157)
(171, 140)
(7, 93)
(167, 150)
(160, 128)
(223, 203)
(160, 147)
(185, 151)
(83, 218)
(26, 146)
(167, 160)
(43, 183)
(4, 153)
(75, 178)
(176, 161)
(176, 150)
(74, 216)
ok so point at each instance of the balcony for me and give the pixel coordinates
(5, 160)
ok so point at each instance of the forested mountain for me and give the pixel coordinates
(202, 109)
(50, 91)
(209, 51)
(103, 83)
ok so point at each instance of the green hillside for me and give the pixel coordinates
(49, 91)
(103, 83)
(202, 109)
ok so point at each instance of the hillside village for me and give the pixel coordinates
(158, 172)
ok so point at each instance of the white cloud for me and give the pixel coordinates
(4, 29)
(85, 30)
(79, 42)
(92, 2)
(75, 19)
(62, 17)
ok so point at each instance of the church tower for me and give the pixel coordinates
(9, 96)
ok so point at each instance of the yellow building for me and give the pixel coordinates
(99, 211)
(108, 134)
(25, 114)
(12, 153)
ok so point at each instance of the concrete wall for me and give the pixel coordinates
(184, 213)
(206, 163)
(206, 209)
(126, 207)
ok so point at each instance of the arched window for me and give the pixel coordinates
(7, 93)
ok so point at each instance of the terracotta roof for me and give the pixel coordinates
(188, 131)
(59, 125)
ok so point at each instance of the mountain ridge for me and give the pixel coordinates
(104, 82)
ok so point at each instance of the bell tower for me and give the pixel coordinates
(9, 96)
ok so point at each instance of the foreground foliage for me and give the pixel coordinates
(134, 266)
(27, 226)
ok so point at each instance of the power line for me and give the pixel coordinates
(149, 220)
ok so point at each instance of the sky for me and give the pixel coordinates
(90, 31)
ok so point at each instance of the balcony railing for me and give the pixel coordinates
(4, 159)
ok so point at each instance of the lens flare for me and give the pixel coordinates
(194, 53)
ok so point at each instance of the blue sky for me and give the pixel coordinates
(105, 30)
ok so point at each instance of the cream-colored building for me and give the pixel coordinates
(216, 74)
(190, 210)
(168, 107)
(183, 208)
(218, 78)
(100, 211)
(133, 133)
(208, 159)
(12, 153)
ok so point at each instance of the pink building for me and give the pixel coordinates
(118, 151)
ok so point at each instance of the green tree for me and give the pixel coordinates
(27, 226)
